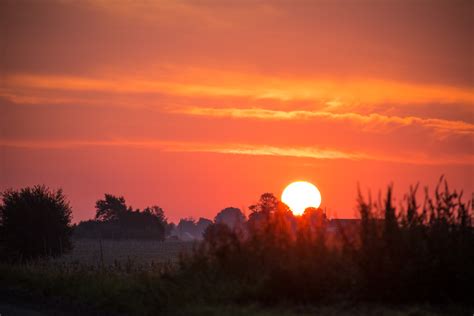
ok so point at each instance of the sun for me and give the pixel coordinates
(300, 195)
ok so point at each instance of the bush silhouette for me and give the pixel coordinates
(36, 222)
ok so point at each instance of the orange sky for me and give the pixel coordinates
(200, 105)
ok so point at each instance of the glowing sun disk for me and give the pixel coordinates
(300, 195)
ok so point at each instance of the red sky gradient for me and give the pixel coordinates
(200, 105)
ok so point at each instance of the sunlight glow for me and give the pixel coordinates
(300, 195)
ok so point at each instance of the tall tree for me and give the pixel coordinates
(110, 208)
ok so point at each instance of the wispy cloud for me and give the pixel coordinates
(371, 120)
(299, 152)
(211, 83)
(244, 149)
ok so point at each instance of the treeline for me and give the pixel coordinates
(36, 222)
(115, 220)
(410, 253)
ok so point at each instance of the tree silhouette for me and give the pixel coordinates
(267, 204)
(110, 208)
(267, 207)
(156, 212)
(201, 227)
(115, 220)
(186, 227)
(231, 216)
(36, 222)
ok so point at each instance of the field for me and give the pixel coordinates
(109, 252)
(76, 284)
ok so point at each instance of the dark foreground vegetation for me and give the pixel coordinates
(34, 222)
(413, 254)
(416, 254)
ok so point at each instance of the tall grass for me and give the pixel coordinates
(409, 253)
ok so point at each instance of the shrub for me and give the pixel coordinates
(36, 222)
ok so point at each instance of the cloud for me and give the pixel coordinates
(299, 152)
(244, 149)
(192, 82)
(370, 121)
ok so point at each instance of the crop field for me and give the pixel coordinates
(108, 252)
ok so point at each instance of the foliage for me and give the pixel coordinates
(111, 208)
(36, 222)
(115, 220)
(156, 290)
(421, 252)
(119, 288)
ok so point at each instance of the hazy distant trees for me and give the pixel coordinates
(231, 216)
(189, 229)
(35, 222)
(114, 219)
(201, 226)
(170, 228)
(186, 228)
